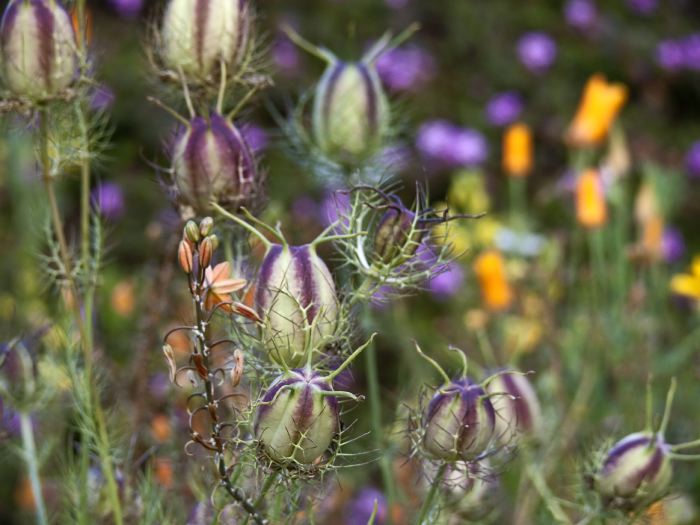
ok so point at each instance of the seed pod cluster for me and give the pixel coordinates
(39, 51)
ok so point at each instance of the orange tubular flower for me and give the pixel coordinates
(517, 150)
(495, 289)
(591, 208)
(597, 111)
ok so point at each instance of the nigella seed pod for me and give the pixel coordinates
(398, 235)
(296, 298)
(198, 35)
(213, 162)
(473, 491)
(636, 471)
(459, 422)
(350, 112)
(297, 418)
(518, 412)
(38, 48)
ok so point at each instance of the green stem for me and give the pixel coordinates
(271, 478)
(30, 457)
(428, 502)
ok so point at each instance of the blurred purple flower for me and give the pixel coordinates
(127, 8)
(335, 205)
(305, 208)
(286, 55)
(504, 108)
(448, 282)
(442, 141)
(406, 68)
(397, 157)
(692, 159)
(691, 51)
(670, 55)
(359, 509)
(672, 245)
(159, 386)
(256, 137)
(102, 98)
(643, 7)
(537, 51)
(9, 420)
(580, 14)
(396, 4)
(108, 197)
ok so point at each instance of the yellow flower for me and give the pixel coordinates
(517, 150)
(591, 208)
(688, 284)
(599, 106)
(491, 272)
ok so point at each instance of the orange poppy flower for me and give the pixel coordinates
(491, 273)
(591, 208)
(517, 150)
(599, 106)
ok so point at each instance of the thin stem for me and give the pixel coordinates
(297, 39)
(428, 501)
(350, 359)
(271, 478)
(232, 114)
(222, 88)
(667, 410)
(241, 223)
(684, 446)
(30, 457)
(435, 364)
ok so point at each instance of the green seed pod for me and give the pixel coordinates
(297, 418)
(398, 235)
(636, 471)
(38, 49)
(472, 491)
(197, 35)
(350, 112)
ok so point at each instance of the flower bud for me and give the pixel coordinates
(350, 113)
(459, 422)
(295, 296)
(38, 48)
(518, 411)
(398, 234)
(296, 420)
(184, 257)
(206, 252)
(237, 370)
(473, 492)
(213, 162)
(205, 226)
(636, 471)
(192, 232)
(197, 35)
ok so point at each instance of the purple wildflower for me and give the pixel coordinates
(127, 8)
(537, 51)
(256, 137)
(643, 7)
(691, 51)
(504, 108)
(335, 205)
(396, 4)
(359, 509)
(670, 55)
(286, 56)
(672, 245)
(101, 98)
(441, 141)
(692, 160)
(580, 14)
(406, 68)
(108, 197)
(447, 283)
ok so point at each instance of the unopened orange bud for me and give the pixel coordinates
(206, 252)
(598, 109)
(591, 208)
(184, 257)
(517, 150)
(491, 272)
(205, 226)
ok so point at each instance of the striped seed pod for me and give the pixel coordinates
(39, 52)
(213, 162)
(297, 418)
(198, 35)
(459, 422)
(296, 297)
(473, 491)
(518, 412)
(398, 235)
(350, 112)
(636, 471)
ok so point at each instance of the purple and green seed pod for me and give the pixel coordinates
(459, 422)
(350, 112)
(518, 411)
(39, 52)
(213, 162)
(473, 491)
(295, 295)
(198, 35)
(636, 471)
(297, 418)
(398, 235)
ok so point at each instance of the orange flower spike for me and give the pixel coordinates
(491, 273)
(598, 109)
(221, 285)
(591, 208)
(517, 150)
(75, 20)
